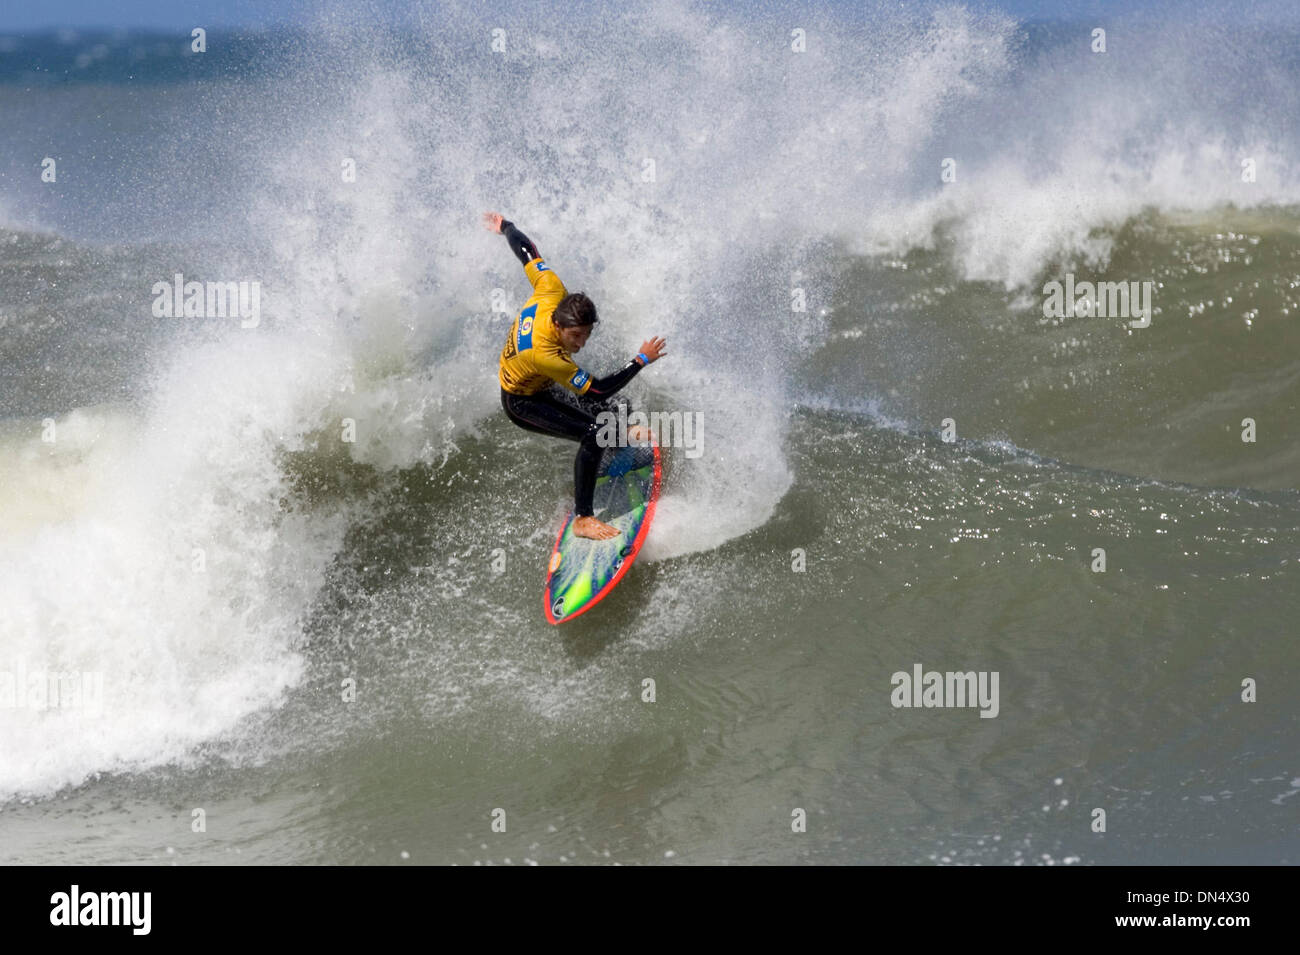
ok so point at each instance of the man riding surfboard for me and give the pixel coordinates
(538, 354)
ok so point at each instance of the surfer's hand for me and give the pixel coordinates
(493, 221)
(654, 349)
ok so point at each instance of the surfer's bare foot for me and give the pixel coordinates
(593, 529)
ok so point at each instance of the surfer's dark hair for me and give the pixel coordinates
(574, 311)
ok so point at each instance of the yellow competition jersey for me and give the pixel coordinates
(533, 356)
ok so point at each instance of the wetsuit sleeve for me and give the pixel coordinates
(520, 244)
(612, 383)
(540, 276)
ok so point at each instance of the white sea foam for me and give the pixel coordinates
(156, 552)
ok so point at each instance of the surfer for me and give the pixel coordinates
(538, 354)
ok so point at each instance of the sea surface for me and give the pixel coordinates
(299, 641)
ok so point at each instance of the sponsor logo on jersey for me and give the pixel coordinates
(579, 379)
(525, 334)
(541, 266)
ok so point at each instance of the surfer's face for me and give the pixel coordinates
(575, 338)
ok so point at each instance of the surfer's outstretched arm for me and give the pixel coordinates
(650, 351)
(610, 384)
(520, 244)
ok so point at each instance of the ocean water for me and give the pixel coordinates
(336, 648)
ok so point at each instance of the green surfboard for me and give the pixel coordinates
(582, 572)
